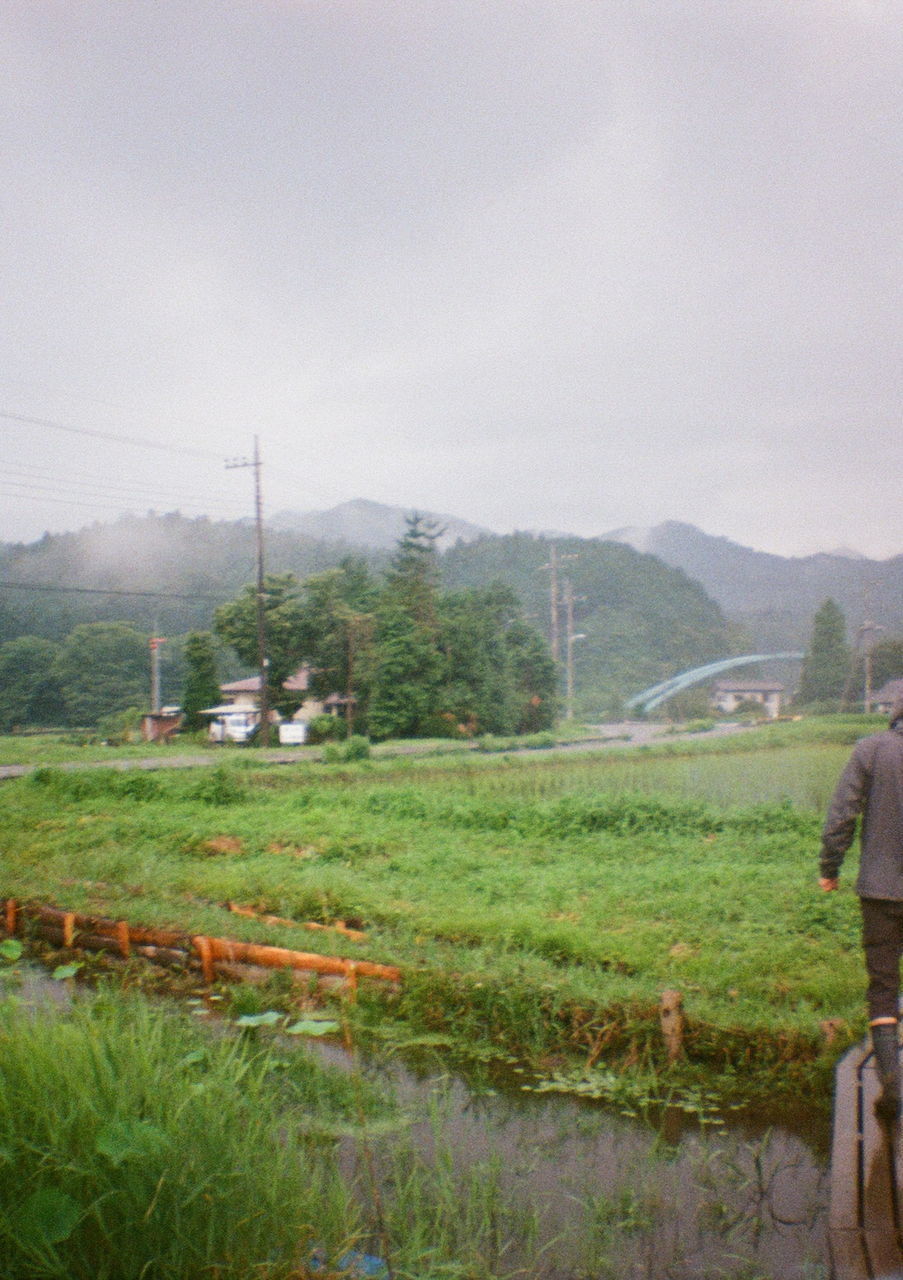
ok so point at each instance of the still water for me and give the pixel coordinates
(581, 1192)
(623, 1197)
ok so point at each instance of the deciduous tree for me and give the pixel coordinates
(102, 668)
(29, 692)
(337, 626)
(236, 623)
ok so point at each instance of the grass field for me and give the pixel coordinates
(537, 904)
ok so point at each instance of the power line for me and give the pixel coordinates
(127, 502)
(85, 480)
(112, 591)
(121, 508)
(140, 441)
(61, 489)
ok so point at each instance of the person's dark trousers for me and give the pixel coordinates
(882, 941)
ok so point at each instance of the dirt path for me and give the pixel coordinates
(606, 736)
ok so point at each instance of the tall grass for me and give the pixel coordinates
(531, 901)
(132, 1146)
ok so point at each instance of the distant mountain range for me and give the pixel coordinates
(774, 597)
(770, 598)
(362, 523)
(166, 573)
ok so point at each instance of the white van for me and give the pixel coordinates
(234, 726)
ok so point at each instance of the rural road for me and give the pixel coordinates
(626, 733)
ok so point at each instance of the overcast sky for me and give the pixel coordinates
(541, 264)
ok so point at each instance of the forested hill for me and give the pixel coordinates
(774, 598)
(640, 619)
(193, 565)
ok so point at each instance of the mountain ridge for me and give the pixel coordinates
(769, 600)
(374, 525)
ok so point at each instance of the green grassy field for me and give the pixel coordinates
(538, 905)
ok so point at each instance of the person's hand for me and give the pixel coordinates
(828, 885)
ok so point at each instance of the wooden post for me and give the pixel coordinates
(205, 951)
(122, 937)
(672, 1022)
(69, 929)
(12, 916)
(351, 982)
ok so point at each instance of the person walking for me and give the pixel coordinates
(871, 788)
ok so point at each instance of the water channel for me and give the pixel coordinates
(619, 1196)
(600, 1194)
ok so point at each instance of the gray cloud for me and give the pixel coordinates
(543, 264)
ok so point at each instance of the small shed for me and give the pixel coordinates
(161, 726)
(887, 695)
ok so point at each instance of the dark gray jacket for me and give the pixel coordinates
(870, 785)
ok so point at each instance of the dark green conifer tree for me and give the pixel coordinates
(201, 682)
(826, 665)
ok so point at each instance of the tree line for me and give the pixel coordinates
(406, 658)
(833, 672)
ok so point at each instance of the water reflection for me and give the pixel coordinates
(576, 1192)
(605, 1195)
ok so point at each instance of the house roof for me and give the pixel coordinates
(889, 692)
(296, 683)
(748, 686)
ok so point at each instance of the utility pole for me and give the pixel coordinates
(867, 638)
(554, 599)
(570, 638)
(553, 602)
(262, 661)
(155, 642)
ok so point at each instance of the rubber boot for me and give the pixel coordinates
(885, 1045)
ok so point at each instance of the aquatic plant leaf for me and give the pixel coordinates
(268, 1019)
(48, 1217)
(192, 1059)
(10, 949)
(122, 1140)
(313, 1027)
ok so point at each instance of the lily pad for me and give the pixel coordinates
(268, 1019)
(313, 1027)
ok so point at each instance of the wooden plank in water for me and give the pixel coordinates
(848, 1260)
(879, 1182)
(846, 1149)
(864, 1216)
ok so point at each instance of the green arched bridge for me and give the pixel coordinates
(656, 694)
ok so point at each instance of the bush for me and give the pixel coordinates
(442, 725)
(826, 707)
(326, 729)
(120, 728)
(356, 748)
(220, 786)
